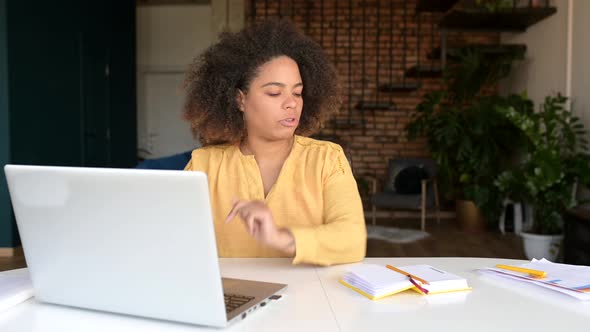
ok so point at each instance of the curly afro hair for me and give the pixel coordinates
(214, 78)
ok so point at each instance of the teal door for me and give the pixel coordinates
(72, 83)
(67, 83)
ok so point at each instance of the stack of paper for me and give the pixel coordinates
(439, 281)
(376, 282)
(572, 280)
(14, 289)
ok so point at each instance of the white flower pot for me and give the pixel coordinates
(542, 246)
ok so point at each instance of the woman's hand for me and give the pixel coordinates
(260, 225)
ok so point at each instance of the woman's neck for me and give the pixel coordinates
(264, 149)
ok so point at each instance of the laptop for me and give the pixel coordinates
(129, 241)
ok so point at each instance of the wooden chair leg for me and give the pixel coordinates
(436, 201)
(374, 215)
(423, 223)
(423, 227)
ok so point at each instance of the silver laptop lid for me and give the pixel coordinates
(138, 242)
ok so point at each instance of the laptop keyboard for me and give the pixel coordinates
(234, 301)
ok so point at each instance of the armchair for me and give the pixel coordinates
(411, 185)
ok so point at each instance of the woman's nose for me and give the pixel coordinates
(290, 102)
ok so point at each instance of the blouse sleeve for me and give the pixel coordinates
(342, 238)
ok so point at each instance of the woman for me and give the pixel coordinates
(296, 196)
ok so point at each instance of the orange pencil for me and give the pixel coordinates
(533, 273)
(407, 274)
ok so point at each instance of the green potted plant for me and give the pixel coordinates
(556, 161)
(467, 136)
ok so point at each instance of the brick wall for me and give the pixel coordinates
(389, 37)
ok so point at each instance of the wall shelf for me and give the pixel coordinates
(510, 20)
(375, 106)
(435, 5)
(488, 49)
(400, 87)
(424, 71)
(348, 123)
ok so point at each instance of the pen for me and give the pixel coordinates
(407, 274)
(422, 289)
(534, 273)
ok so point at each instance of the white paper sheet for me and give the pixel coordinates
(14, 289)
(572, 280)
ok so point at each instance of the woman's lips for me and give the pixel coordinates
(289, 122)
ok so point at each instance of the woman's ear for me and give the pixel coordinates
(241, 100)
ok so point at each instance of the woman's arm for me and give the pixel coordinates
(342, 238)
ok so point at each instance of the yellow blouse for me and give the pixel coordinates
(315, 197)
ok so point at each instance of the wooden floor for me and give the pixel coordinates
(445, 240)
(10, 263)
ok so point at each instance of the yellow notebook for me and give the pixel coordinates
(376, 281)
(439, 281)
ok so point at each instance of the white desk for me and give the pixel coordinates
(315, 301)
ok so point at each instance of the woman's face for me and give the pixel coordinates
(273, 103)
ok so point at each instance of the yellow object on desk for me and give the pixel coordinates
(376, 281)
(533, 273)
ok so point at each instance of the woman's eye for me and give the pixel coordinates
(273, 94)
(298, 95)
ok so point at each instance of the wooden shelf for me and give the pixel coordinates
(375, 106)
(499, 49)
(400, 87)
(435, 5)
(510, 20)
(424, 71)
(348, 123)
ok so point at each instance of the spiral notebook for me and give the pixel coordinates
(376, 281)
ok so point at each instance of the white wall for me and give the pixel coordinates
(168, 37)
(581, 60)
(544, 70)
(581, 68)
(172, 35)
(557, 59)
